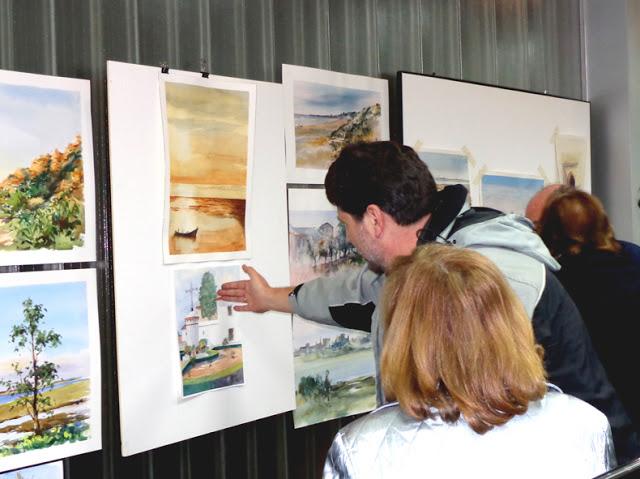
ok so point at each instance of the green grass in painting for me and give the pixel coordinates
(347, 398)
(62, 396)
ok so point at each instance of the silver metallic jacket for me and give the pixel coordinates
(559, 436)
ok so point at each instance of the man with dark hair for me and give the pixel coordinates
(387, 200)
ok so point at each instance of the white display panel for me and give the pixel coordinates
(496, 128)
(152, 412)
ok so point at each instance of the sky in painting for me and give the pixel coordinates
(35, 121)
(52, 470)
(312, 219)
(509, 194)
(208, 132)
(66, 314)
(186, 279)
(310, 332)
(446, 165)
(320, 99)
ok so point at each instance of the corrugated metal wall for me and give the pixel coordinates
(529, 44)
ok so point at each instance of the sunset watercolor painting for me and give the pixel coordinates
(209, 145)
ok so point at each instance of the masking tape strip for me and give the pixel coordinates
(478, 179)
(544, 175)
(470, 158)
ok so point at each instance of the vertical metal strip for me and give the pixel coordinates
(205, 34)
(172, 26)
(50, 60)
(132, 30)
(6, 35)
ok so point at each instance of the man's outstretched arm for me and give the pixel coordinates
(256, 294)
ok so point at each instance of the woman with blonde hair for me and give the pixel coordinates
(602, 276)
(460, 360)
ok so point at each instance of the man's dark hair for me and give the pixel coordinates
(383, 173)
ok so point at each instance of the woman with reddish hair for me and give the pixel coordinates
(467, 381)
(602, 275)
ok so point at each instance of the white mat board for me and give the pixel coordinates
(499, 129)
(151, 413)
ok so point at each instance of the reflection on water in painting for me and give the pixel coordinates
(206, 225)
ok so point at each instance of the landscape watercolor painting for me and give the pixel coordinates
(509, 193)
(49, 367)
(46, 188)
(209, 340)
(571, 158)
(209, 147)
(334, 367)
(51, 470)
(325, 111)
(447, 168)
(329, 117)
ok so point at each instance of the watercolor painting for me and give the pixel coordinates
(571, 157)
(329, 117)
(447, 168)
(334, 367)
(51, 470)
(325, 111)
(509, 193)
(47, 366)
(209, 342)
(44, 156)
(208, 137)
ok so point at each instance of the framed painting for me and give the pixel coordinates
(49, 367)
(208, 136)
(209, 341)
(47, 208)
(499, 129)
(325, 111)
(51, 470)
(509, 193)
(334, 367)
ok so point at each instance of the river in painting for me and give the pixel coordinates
(206, 225)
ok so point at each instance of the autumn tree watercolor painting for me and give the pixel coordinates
(43, 158)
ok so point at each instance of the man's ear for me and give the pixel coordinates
(375, 220)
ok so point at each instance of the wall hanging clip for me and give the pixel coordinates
(203, 68)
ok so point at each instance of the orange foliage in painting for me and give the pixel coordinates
(63, 168)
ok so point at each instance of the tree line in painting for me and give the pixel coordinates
(42, 206)
(38, 392)
(361, 126)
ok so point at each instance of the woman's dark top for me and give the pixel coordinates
(606, 288)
